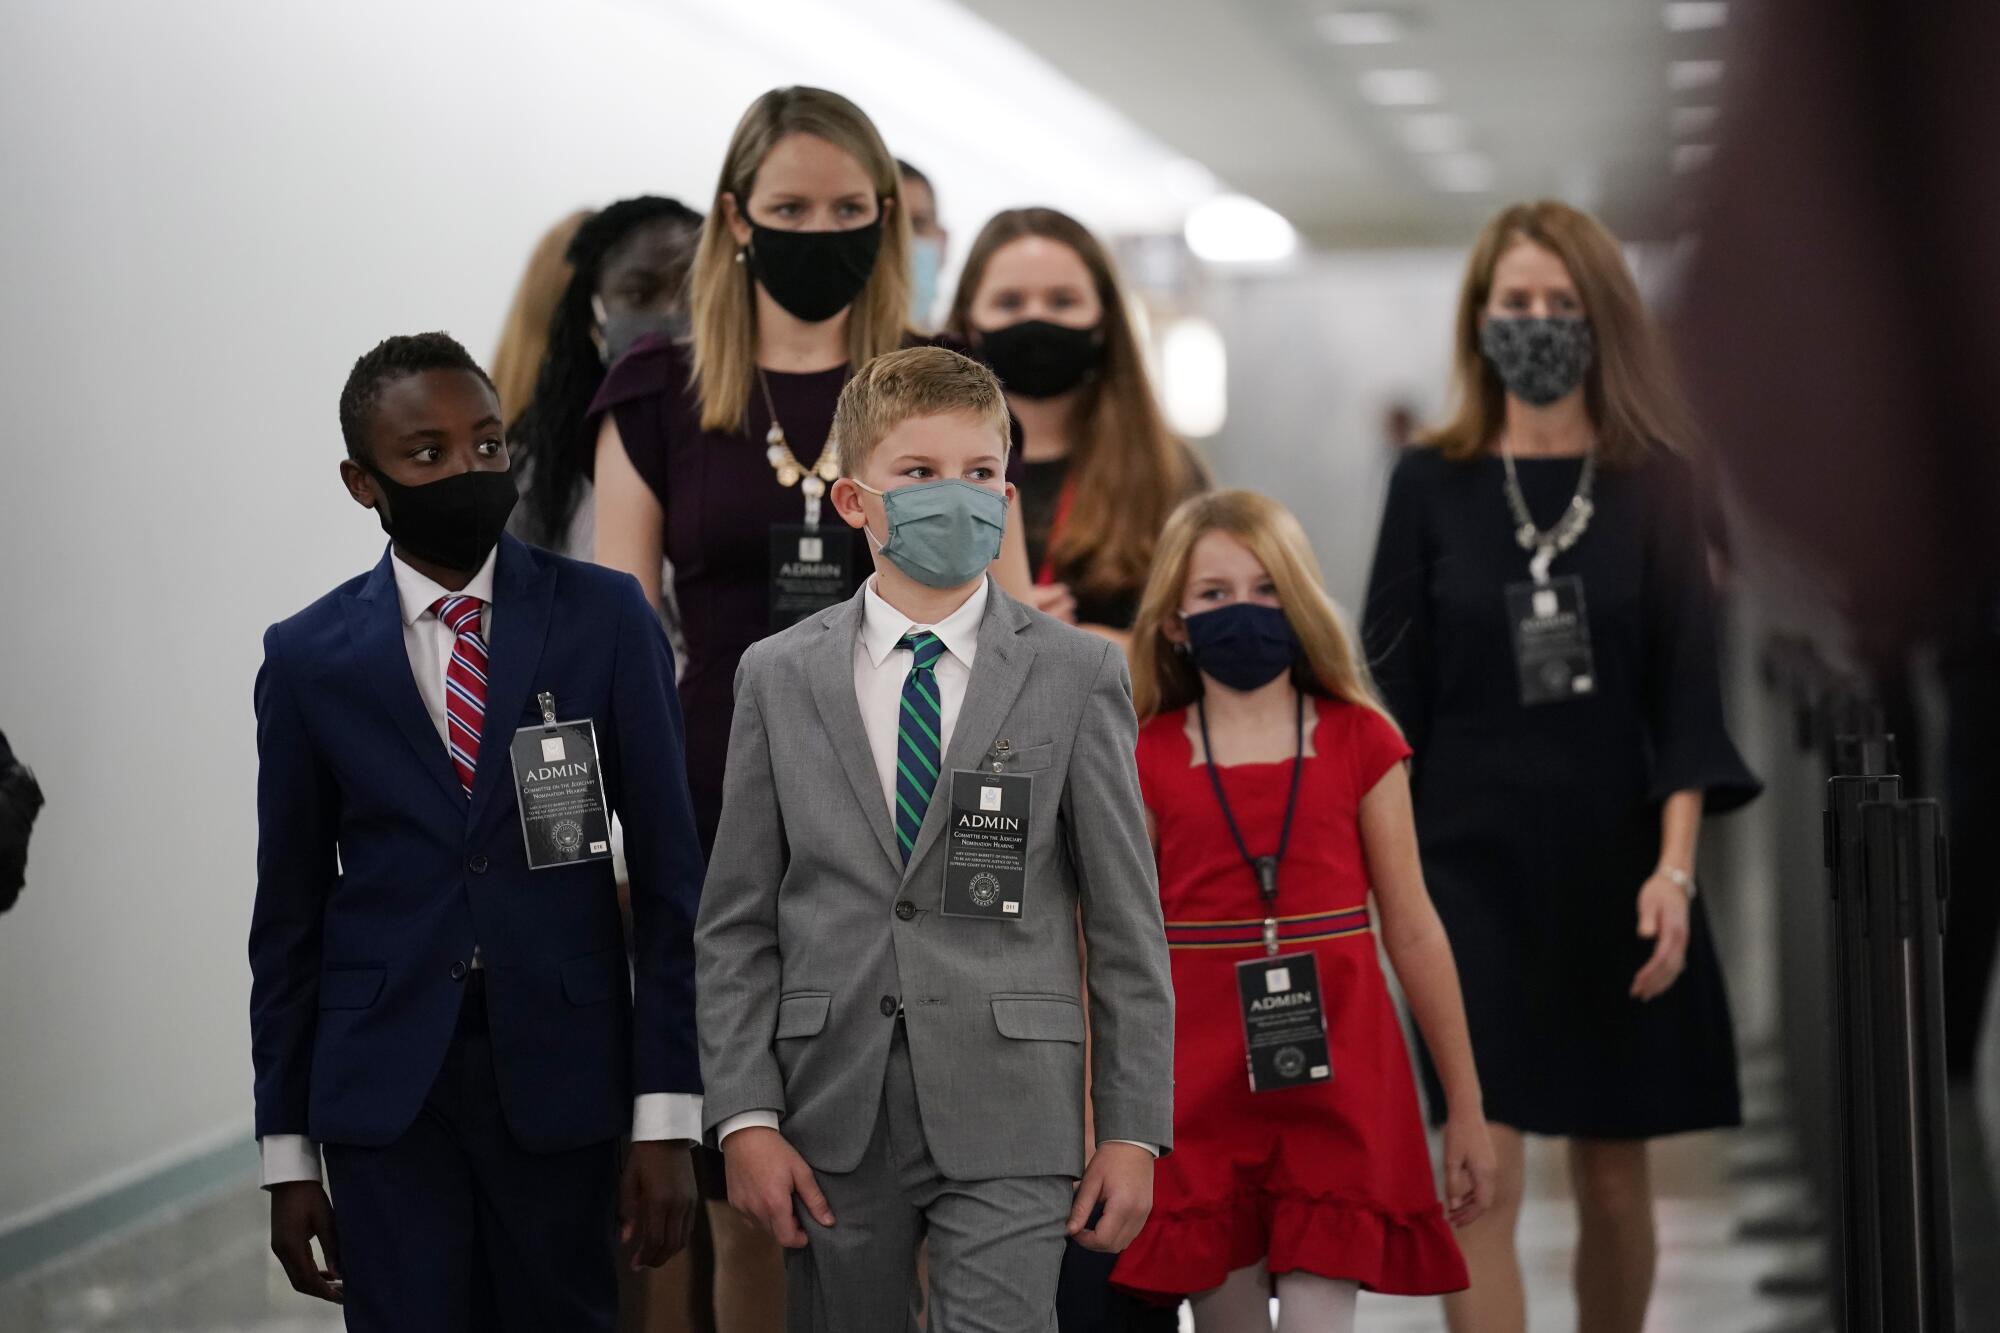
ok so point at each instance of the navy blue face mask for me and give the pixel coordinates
(1243, 645)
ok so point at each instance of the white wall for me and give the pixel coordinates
(1317, 353)
(211, 208)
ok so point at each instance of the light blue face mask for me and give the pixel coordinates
(943, 534)
(926, 267)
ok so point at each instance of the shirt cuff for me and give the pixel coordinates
(747, 1120)
(1136, 1144)
(289, 1157)
(666, 1115)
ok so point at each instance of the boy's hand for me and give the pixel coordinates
(764, 1173)
(301, 1212)
(1120, 1176)
(1470, 1168)
(656, 1201)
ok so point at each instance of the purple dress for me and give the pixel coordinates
(720, 499)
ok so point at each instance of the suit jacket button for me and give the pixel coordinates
(458, 971)
(888, 1006)
(905, 910)
(477, 865)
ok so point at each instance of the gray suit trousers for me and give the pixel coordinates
(996, 1246)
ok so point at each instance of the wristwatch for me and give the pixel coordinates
(1679, 878)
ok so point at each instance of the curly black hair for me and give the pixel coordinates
(390, 360)
(549, 432)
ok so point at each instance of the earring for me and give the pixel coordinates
(740, 256)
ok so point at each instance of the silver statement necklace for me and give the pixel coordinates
(1545, 544)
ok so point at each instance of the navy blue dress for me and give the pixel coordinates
(1539, 824)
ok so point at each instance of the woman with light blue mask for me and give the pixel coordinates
(927, 245)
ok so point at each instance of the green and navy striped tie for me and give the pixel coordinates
(919, 749)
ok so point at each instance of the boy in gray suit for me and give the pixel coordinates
(925, 785)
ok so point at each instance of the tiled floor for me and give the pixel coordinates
(205, 1269)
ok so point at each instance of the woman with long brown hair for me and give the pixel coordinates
(1040, 301)
(711, 451)
(1541, 623)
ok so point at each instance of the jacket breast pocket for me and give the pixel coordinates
(351, 987)
(803, 1013)
(1031, 758)
(1038, 1017)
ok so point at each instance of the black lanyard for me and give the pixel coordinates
(1265, 868)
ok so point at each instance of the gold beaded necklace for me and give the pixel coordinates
(812, 481)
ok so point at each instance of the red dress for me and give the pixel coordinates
(1331, 1178)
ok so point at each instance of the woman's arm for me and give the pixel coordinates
(630, 533)
(1664, 900)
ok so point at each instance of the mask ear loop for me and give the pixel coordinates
(883, 545)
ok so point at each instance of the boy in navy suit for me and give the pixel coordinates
(456, 1032)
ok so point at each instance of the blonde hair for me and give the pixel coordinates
(918, 382)
(1129, 470)
(524, 338)
(1634, 402)
(722, 305)
(1164, 678)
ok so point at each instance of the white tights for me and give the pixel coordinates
(1306, 1304)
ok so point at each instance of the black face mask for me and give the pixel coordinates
(1243, 645)
(621, 330)
(1037, 359)
(814, 275)
(453, 522)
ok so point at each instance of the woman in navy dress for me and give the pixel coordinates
(1541, 624)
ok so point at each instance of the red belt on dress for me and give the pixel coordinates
(1291, 930)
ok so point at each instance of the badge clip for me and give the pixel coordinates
(548, 703)
(1002, 751)
(1271, 936)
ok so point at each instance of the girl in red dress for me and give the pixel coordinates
(1277, 799)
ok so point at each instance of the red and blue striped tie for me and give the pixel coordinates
(464, 684)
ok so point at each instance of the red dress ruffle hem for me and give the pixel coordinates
(1331, 1178)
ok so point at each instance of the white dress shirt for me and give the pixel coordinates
(879, 673)
(429, 643)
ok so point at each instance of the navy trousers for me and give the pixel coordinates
(454, 1228)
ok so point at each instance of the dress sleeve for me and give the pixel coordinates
(1395, 620)
(640, 391)
(1690, 744)
(1374, 746)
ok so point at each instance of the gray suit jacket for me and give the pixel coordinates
(802, 954)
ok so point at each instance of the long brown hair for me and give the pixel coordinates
(1129, 471)
(1631, 394)
(524, 338)
(722, 307)
(1164, 678)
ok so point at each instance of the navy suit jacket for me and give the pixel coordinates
(376, 877)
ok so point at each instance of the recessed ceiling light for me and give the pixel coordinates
(1686, 120)
(1461, 173)
(1691, 157)
(1235, 229)
(1694, 15)
(1401, 87)
(1360, 27)
(1685, 76)
(1433, 132)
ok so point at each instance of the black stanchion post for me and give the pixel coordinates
(1904, 887)
(1857, 1248)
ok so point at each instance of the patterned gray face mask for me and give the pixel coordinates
(1539, 360)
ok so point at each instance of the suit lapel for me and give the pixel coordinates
(840, 713)
(375, 622)
(998, 672)
(523, 591)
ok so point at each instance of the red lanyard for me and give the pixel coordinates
(1047, 573)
